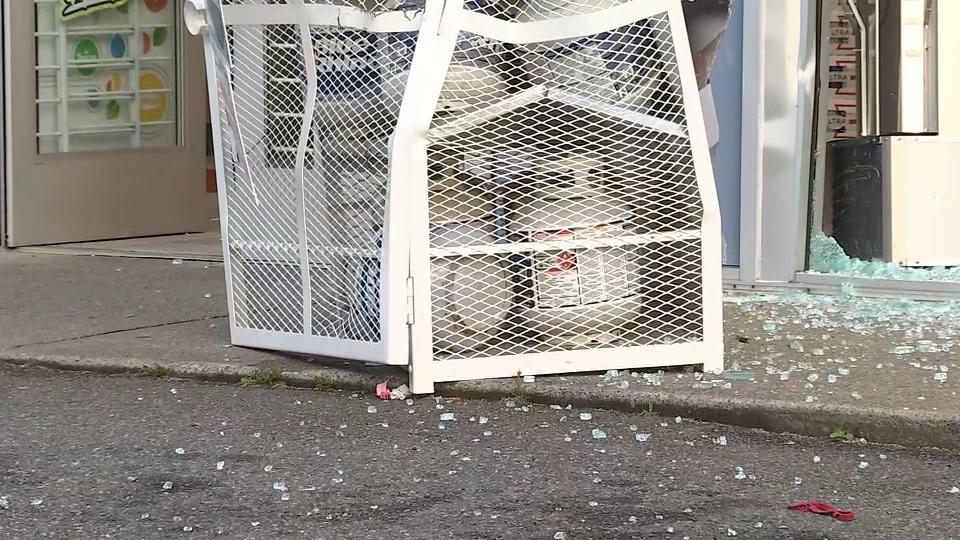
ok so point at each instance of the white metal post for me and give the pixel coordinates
(710, 238)
(776, 146)
(408, 172)
(195, 16)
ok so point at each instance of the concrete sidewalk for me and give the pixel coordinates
(885, 370)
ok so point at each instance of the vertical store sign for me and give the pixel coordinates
(71, 9)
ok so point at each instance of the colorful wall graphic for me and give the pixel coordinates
(121, 84)
(71, 9)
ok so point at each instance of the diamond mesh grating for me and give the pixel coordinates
(359, 89)
(343, 196)
(262, 202)
(564, 206)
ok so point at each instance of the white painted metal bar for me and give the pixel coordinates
(647, 356)
(408, 168)
(711, 261)
(363, 351)
(641, 119)
(581, 243)
(866, 120)
(323, 15)
(309, 105)
(534, 94)
(560, 28)
(213, 94)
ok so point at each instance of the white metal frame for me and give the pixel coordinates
(393, 345)
(425, 369)
(405, 303)
(779, 76)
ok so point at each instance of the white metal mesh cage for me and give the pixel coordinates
(525, 183)
(582, 222)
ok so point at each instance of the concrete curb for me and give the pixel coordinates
(889, 426)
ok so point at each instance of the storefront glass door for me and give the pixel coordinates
(105, 121)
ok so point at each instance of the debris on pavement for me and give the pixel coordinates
(4, 503)
(822, 508)
(400, 392)
(738, 375)
(654, 379)
(385, 393)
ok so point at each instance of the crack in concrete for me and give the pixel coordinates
(119, 331)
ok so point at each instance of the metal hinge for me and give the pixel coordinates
(410, 314)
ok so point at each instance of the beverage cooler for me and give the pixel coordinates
(469, 188)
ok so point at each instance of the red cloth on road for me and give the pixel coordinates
(823, 508)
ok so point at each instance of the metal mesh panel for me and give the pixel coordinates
(262, 202)
(359, 89)
(360, 77)
(564, 206)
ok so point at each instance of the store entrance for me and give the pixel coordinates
(105, 122)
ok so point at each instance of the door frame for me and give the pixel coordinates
(779, 79)
(3, 124)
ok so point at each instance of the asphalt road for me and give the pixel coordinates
(87, 456)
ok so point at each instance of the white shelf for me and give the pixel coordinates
(560, 245)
